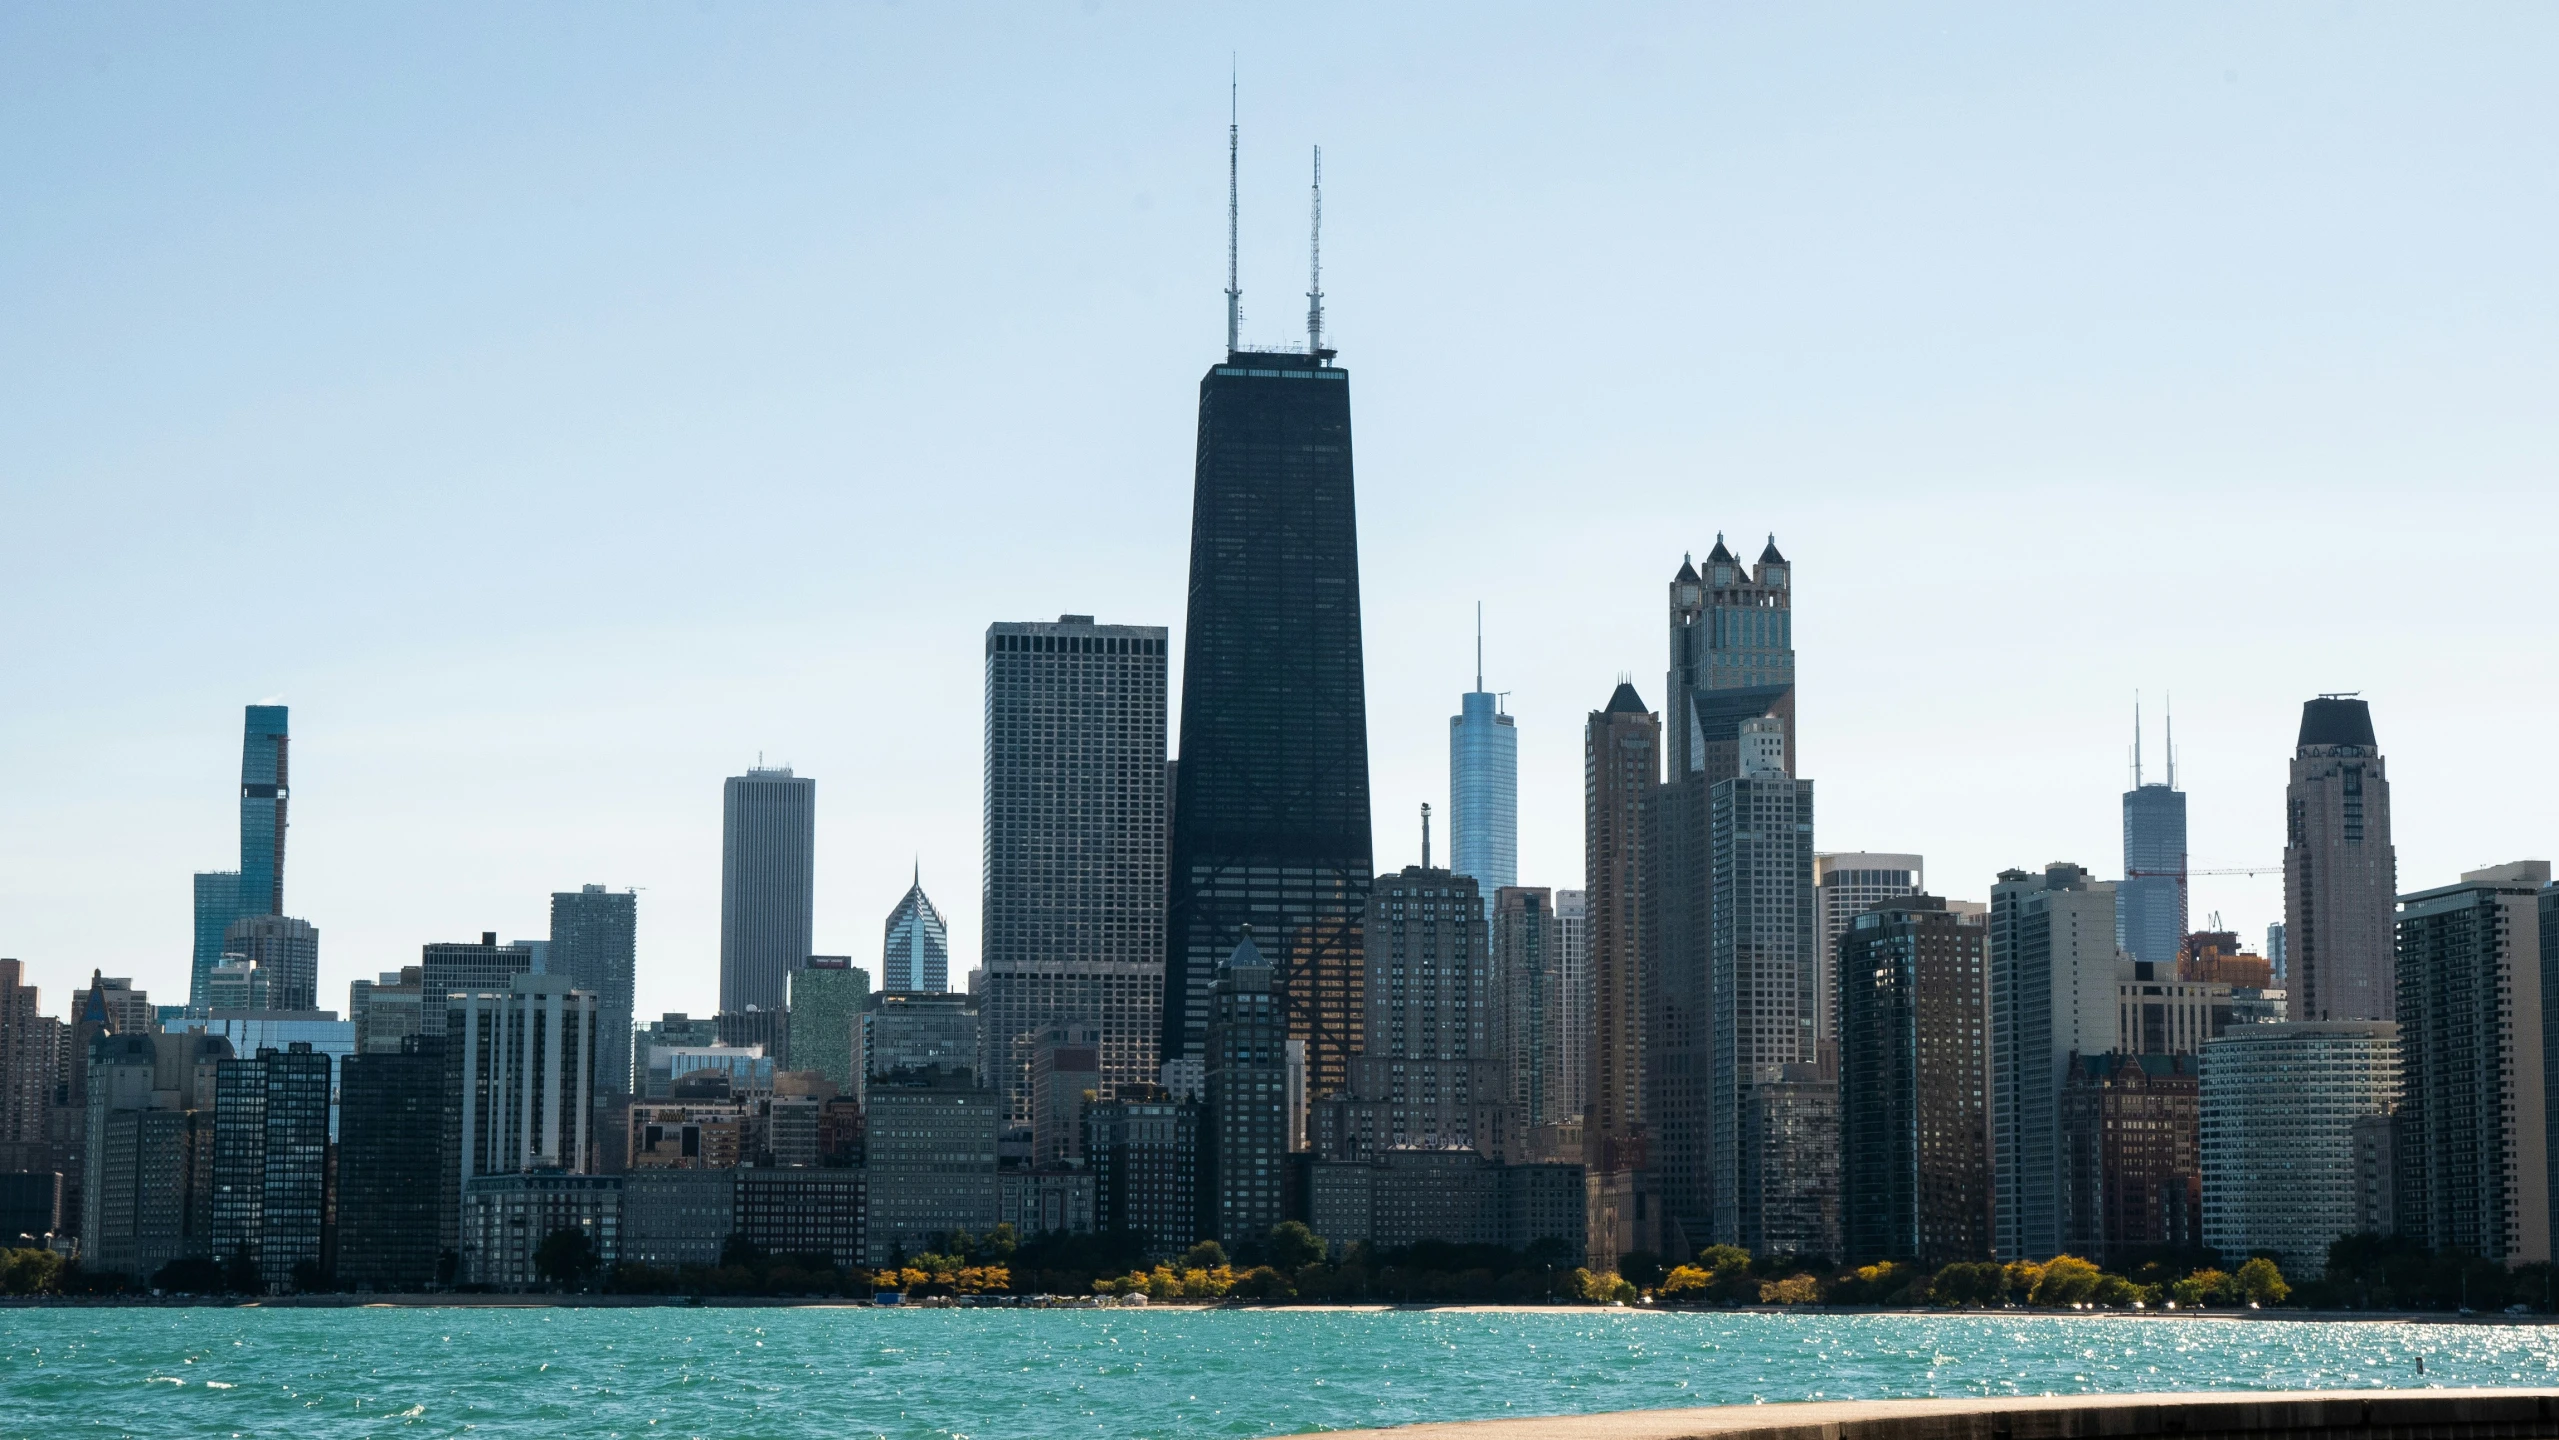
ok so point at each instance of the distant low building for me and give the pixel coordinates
(1404, 1197)
(1144, 1151)
(507, 1217)
(802, 1211)
(931, 1159)
(672, 1218)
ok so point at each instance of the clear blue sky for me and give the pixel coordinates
(560, 405)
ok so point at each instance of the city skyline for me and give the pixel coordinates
(550, 705)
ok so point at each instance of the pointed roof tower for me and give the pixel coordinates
(1719, 552)
(1687, 571)
(1625, 701)
(1770, 556)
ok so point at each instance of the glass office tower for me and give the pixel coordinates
(1270, 805)
(1483, 792)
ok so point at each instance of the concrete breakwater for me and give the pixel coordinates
(2272, 1415)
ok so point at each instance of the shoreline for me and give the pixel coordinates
(839, 1302)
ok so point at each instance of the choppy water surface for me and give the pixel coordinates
(856, 1372)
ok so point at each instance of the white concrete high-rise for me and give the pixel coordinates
(1074, 851)
(768, 885)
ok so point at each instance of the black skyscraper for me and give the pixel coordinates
(1270, 812)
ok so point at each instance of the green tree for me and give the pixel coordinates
(2066, 1280)
(564, 1256)
(2204, 1287)
(1292, 1247)
(1206, 1255)
(2259, 1282)
(29, 1271)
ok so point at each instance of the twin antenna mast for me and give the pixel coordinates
(1314, 245)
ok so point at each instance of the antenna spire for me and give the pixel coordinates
(1315, 265)
(1234, 294)
(2136, 739)
(2172, 742)
(1479, 646)
(1426, 834)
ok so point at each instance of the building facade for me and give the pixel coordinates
(932, 1160)
(768, 884)
(1846, 884)
(2133, 1177)
(521, 1066)
(1621, 768)
(595, 943)
(1483, 789)
(1763, 964)
(2341, 874)
(507, 1217)
(1074, 844)
(1271, 801)
(453, 968)
(827, 999)
(2150, 904)
(1914, 1075)
(1428, 1073)
(1540, 1048)
(1144, 1151)
(391, 1146)
(287, 954)
(271, 1161)
(905, 1031)
(2281, 1109)
(2476, 1034)
(2054, 971)
(1244, 1131)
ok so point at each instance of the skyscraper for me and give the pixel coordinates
(257, 887)
(521, 1064)
(286, 950)
(827, 1001)
(595, 942)
(2280, 1110)
(2054, 971)
(1732, 661)
(1427, 1074)
(2340, 873)
(391, 1146)
(2476, 1032)
(1621, 768)
(1483, 788)
(1846, 884)
(1541, 1035)
(1244, 1136)
(453, 968)
(1270, 809)
(915, 947)
(1074, 846)
(2150, 905)
(1762, 964)
(1914, 1065)
(263, 791)
(768, 884)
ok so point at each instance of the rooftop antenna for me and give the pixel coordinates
(1315, 266)
(2136, 739)
(1234, 294)
(1479, 647)
(2170, 705)
(1426, 834)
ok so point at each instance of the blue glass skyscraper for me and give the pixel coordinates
(263, 789)
(257, 887)
(2150, 906)
(1483, 789)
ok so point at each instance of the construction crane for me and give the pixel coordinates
(2181, 876)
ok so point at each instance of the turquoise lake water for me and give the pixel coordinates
(996, 1373)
